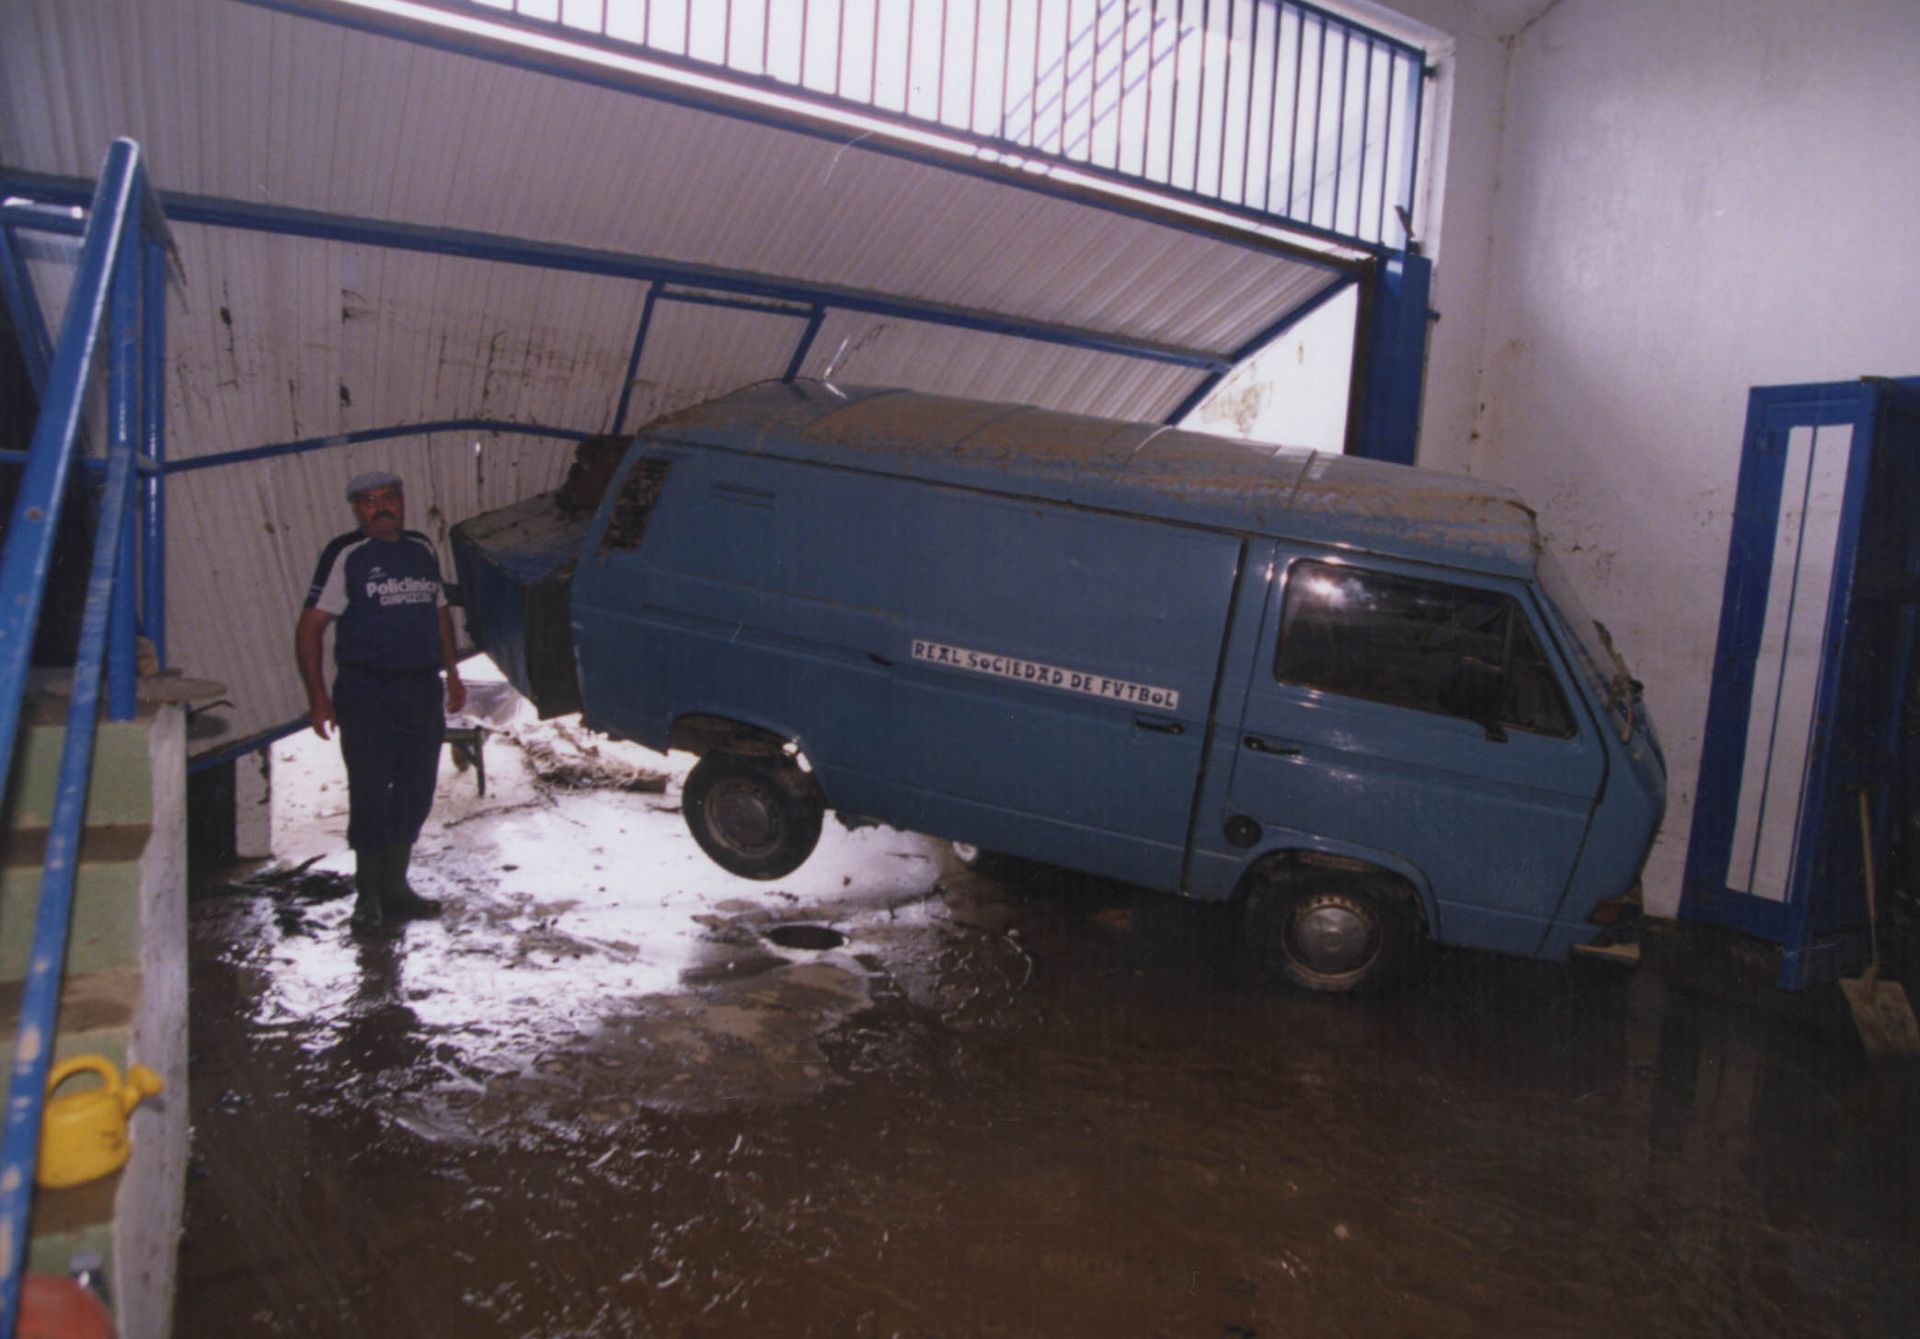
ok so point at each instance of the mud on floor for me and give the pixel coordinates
(600, 1098)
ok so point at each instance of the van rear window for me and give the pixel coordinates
(1429, 645)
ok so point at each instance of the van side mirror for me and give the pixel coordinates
(1475, 692)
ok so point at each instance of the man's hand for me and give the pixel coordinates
(320, 715)
(306, 655)
(456, 693)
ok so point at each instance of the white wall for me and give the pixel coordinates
(1294, 391)
(1693, 198)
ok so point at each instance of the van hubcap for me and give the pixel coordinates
(744, 817)
(1333, 936)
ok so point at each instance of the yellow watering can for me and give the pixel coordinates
(84, 1135)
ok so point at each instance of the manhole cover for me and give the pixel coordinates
(814, 938)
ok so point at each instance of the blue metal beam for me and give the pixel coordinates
(735, 304)
(61, 221)
(153, 447)
(306, 444)
(804, 344)
(125, 437)
(583, 260)
(633, 361)
(93, 466)
(251, 744)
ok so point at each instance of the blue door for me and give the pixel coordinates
(1813, 675)
(1422, 721)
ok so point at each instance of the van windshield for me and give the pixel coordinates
(1592, 645)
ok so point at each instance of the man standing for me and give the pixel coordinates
(395, 638)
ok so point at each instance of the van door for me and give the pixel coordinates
(1053, 679)
(1421, 719)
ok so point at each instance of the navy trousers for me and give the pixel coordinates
(391, 726)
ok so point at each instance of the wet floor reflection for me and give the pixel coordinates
(602, 1100)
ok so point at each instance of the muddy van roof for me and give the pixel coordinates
(1143, 468)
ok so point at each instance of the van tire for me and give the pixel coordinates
(753, 816)
(1330, 931)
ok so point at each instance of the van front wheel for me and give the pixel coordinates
(755, 817)
(1330, 932)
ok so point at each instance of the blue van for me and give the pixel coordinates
(1357, 697)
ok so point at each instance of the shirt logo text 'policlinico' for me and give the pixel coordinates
(403, 590)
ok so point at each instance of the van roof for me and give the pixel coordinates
(1142, 468)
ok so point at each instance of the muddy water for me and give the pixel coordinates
(600, 1099)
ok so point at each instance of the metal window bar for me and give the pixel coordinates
(114, 296)
(1063, 71)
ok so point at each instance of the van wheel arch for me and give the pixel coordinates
(701, 734)
(1329, 923)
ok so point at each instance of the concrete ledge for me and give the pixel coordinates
(24, 848)
(68, 1222)
(118, 789)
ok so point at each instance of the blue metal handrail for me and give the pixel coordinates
(118, 289)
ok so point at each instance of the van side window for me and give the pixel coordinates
(634, 506)
(1455, 650)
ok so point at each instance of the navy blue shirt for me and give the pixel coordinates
(387, 597)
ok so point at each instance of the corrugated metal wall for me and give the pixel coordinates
(279, 336)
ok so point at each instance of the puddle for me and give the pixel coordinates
(811, 938)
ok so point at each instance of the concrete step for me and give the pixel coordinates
(96, 1015)
(105, 930)
(119, 789)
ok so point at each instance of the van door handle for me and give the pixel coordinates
(1160, 725)
(879, 659)
(1259, 745)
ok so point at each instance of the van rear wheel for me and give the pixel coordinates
(755, 817)
(1331, 932)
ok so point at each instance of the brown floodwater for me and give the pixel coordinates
(616, 1092)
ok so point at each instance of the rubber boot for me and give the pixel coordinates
(398, 900)
(369, 916)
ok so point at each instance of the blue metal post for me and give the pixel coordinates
(36, 512)
(24, 307)
(124, 400)
(153, 417)
(1393, 348)
(805, 343)
(633, 363)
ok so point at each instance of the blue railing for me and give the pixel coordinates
(1274, 109)
(118, 292)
